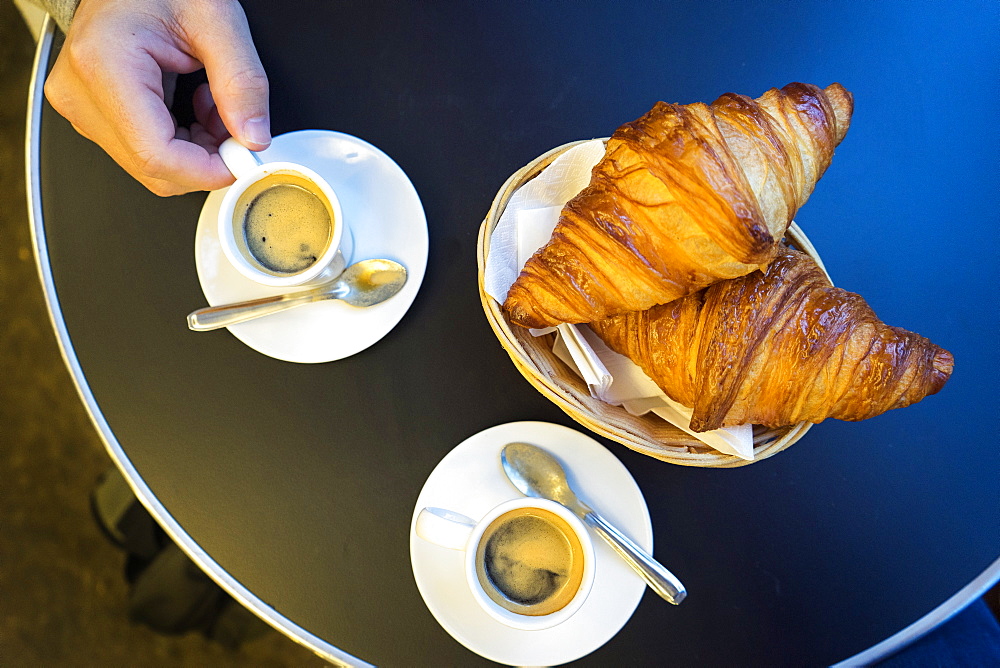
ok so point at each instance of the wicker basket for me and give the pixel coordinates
(648, 434)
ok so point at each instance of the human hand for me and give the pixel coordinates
(114, 81)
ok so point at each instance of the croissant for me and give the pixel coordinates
(684, 196)
(776, 348)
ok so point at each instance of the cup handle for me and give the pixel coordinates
(444, 527)
(238, 158)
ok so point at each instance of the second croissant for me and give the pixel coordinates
(775, 348)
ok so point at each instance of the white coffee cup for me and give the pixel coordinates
(250, 172)
(533, 578)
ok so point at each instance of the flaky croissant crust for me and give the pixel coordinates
(685, 196)
(776, 348)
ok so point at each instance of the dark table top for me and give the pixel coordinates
(294, 484)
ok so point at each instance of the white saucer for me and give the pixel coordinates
(385, 216)
(470, 480)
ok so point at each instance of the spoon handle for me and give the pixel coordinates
(216, 317)
(659, 579)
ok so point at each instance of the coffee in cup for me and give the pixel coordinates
(281, 223)
(287, 223)
(530, 561)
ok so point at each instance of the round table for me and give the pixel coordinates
(293, 485)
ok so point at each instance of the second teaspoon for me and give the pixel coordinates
(537, 473)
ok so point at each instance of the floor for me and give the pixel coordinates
(62, 591)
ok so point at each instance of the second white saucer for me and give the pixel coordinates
(470, 480)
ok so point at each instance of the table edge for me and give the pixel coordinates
(36, 223)
(939, 615)
(894, 643)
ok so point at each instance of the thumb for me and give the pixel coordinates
(235, 76)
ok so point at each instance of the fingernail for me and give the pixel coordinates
(257, 131)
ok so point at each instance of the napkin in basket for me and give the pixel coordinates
(525, 225)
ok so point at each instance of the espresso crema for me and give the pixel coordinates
(530, 561)
(287, 223)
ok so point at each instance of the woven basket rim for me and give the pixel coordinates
(613, 422)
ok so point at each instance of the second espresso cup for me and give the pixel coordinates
(528, 562)
(281, 223)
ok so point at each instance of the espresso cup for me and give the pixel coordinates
(281, 224)
(529, 563)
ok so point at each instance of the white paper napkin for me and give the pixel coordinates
(525, 225)
(509, 245)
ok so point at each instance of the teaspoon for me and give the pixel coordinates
(537, 473)
(364, 283)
